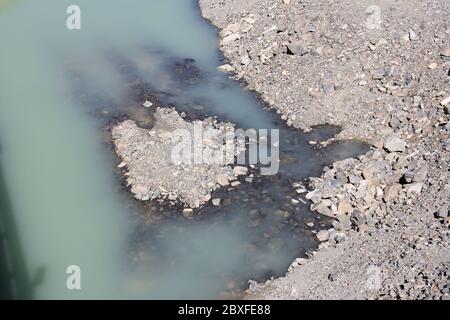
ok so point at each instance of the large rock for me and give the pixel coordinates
(442, 213)
(297, 47)
(391, 192)
(393, 143)
(344, 207)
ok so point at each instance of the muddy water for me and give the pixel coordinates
(61, 90)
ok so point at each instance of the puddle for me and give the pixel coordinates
(60, 89)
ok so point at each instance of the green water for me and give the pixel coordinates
(59, 178)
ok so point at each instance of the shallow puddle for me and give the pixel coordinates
(60, 90)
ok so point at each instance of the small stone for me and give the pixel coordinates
(432, 66)
(445, 101)
(408, 176)
(297, 47)
(447, 145)
(379, 74)
(391, 192)
(447, 109)
(442, 213)
(240, 171)
(187, 213)
(121, 165)
(363, 228)
(300, 261)
(332, 277)
(235, 183)
(227, 68)
(337, 225)
(314, 196)
(230, 38)
(421, 174)
(414, 189)
(147, 104)
(344, 207)
(394, 123)
(222, 180)
(245, 59)
(357, 218)
(417, 100)
(345, 222)
(446, 53)
(381, 42)
(252, 285)
(393, 143)
(323, 235)
(413, 35)
(293, 293)
(216, 202)
(328, 87)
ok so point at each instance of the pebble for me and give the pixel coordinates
(344, 207)
(188, 212)
(445, 101)
(442, 213)
(328, 87)
(216, 202)
(446, 53)
(391, 192)
(147, 104)
(323, 235)
(253, 285)
(414, 189)
(447, 109)
(240, 171)
(413, 35)
(393, 143)
(227, 68)
(297, 47)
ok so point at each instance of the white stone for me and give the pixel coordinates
(147, 104)
(323, 235)
(240, 171)
(226, 68)
(445, 101)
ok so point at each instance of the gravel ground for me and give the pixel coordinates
(382, 73)
(153, 173)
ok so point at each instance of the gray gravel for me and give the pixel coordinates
(387, 83)
(149, 167)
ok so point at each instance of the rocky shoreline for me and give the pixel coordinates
(320, 62)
